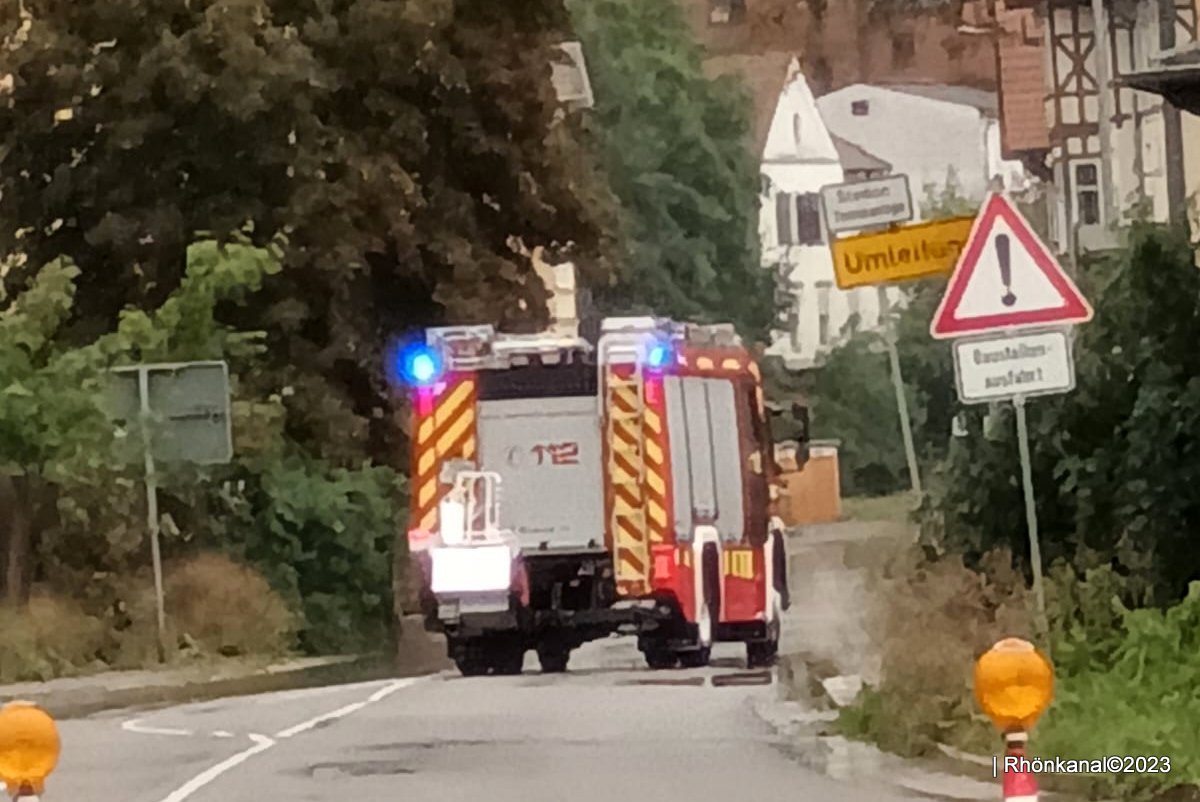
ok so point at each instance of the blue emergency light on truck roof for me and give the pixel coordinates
(416, 364)
(658, 356)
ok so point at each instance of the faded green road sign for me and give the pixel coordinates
(187, 407)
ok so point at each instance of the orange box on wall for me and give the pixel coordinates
(812, 495)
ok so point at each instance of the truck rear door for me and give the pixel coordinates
(540, 429)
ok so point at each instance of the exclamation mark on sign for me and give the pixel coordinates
(1002, 256)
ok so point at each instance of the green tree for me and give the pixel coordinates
(676, 148)
(399, 145)
(61, 484)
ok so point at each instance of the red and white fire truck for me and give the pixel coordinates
(565, 489)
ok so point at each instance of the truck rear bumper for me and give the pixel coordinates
(470, 617)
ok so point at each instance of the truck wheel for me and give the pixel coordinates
(508, 659)
(696, 658)
(471, 667)
(780, 569)
(760, 654)
(553, 660)
(659, 655)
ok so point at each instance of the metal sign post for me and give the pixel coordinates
(184, 415)
(1005, 290)
(888, 253)
(1035, 546)
(910, 449)
(143, 377)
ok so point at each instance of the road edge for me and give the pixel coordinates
(416, 659)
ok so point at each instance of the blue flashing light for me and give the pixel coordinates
(422, 368)
(658, 356)
(417, 364)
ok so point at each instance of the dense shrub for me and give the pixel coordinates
(323, 536)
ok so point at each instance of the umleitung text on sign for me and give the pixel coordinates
(900, 254)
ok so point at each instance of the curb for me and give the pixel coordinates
(418, 660)
(841, 758)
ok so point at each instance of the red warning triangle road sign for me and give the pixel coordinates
(1006, 278)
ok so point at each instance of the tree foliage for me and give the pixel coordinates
(676, 146)
(400, 146)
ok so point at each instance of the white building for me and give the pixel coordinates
(799, 157)
(928, 132)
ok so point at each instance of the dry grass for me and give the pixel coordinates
(50, 638)
(215, 608)
(892, 509)
(930, 621)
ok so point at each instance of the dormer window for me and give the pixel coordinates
(860, 108)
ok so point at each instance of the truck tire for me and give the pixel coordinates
(780, 568)
(553, 659)
(471, 666)
(696, 658)
(659, 656)
(508, 658)
(762, 653)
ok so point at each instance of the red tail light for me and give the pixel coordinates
(664, 566)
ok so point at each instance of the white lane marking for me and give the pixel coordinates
(222, 734)
(135, 725)
(346, 710)
(261, 744)
(304, 726)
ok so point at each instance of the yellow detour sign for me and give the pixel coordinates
(1014, 683)
(901, 254)
(29, 747)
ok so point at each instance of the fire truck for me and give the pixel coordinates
(565, 489)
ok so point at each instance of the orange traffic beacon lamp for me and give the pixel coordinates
(1014, 684)
(29, 748)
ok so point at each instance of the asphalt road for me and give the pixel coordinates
(607, 730)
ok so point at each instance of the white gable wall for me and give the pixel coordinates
(922, 137)
(803, 166)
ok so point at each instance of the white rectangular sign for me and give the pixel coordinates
(1000, 367)
(867, 204)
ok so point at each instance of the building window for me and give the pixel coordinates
(860, 108)
(1087, 193)
(798, 219)
(797, 128)
(808, 219)
(765, 185)
(823, 289)
(783, 219)
(904, 50)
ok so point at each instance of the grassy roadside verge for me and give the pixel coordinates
(1128, 681)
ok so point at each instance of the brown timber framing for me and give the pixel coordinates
(1073, 101)
(1074, 97)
